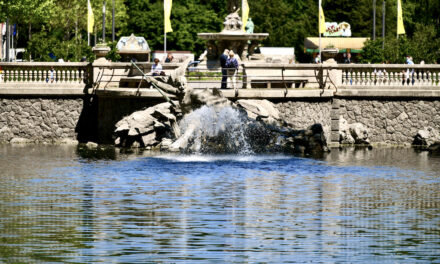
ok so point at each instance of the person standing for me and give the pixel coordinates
(223, 59)
(232, 65)
(409, 73)
(347, 59)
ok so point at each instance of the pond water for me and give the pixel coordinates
(68, 205)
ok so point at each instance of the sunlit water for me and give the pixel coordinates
(67, 205)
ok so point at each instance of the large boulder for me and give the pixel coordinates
(426, 137)
(148, 127)
(434, 148)
(261, 110)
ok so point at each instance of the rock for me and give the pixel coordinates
(20, 141)
(434, 148)
(91, 145)
(68, 141)
(359, 133)
(260, 108)
(6, 134)
(149, 139)
(166, 144)
(426, 137)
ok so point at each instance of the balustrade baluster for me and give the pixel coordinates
(12, 75)
(418, 77)
(69, 75)
(368, 78)
(41, 75)
(5, 75)
(423, 75)
(427, 78)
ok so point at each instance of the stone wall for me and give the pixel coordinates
(392, 121)
(39, 119)
(302, 114)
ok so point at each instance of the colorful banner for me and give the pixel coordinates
(334, 29)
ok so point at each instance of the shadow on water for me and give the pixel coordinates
(99, 153)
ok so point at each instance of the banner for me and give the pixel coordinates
(90, 18)
(400, 26)
(245, 13)
(334, 29)
(322, 27)
(167, 14)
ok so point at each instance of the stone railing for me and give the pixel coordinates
(44, 73)
(381, 76)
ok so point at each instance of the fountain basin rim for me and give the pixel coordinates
(233, 36)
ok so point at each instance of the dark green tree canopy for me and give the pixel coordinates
(59, 27)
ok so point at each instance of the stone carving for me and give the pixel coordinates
(233, 22)
(353, 133)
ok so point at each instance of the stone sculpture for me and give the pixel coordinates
(202, 120)
(233, 22)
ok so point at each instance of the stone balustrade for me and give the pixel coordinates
(44, 72)
(250, 75)
(381, 76)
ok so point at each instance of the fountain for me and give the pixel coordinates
(232, 37)
(203, 121)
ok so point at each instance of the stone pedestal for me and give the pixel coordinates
(100, 52)
(335, 75)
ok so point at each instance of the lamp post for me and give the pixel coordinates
(103, 22)
(7, 39)
(374, 19)
(113, 22)
(383, 23)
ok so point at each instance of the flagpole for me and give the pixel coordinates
(113, 22)
(319, 30)
(103, 22)
(397, 32)
(164, 30)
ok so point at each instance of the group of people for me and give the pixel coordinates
(156, 68)
(229, 66)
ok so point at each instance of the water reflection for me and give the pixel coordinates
(62, 204)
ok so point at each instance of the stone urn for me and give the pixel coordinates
(329, 53)
(101, 50)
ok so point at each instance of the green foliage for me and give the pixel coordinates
(423, 46)
(59, 26)
(113, 55)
